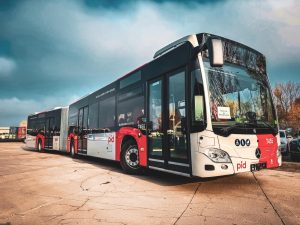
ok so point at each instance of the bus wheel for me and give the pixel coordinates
(130, 158)
(40, 149)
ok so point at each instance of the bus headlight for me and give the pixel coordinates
(218, 155)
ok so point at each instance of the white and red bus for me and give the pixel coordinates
(48, 130)
(202, 107)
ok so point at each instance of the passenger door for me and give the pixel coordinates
(82, 130)
(167, 124)
(49, 132)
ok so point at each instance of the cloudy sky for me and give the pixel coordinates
(53, 52)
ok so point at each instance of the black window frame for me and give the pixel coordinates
(196, 126)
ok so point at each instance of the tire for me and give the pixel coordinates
(39, 147)
(130, 158)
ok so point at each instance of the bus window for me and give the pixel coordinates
(93, 116)
(131, 79)
(107, 113)
(85, 118)
(197, 98)
(130, 107)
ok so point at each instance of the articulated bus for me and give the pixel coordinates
(202, 107)
(48, 130)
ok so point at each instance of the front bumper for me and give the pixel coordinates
(208, 168)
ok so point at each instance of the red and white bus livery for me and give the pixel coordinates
(202, 107)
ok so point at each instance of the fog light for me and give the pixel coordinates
(224, 167)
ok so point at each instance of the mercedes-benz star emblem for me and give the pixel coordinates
(257, 153)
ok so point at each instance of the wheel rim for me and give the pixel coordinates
(132, 157)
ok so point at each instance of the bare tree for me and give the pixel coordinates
(286, 99)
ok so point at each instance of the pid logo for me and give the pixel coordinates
(241, 165)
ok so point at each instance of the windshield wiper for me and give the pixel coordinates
(268, 125)
(256, 125)
(226, 130)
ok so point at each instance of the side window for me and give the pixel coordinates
(80, 119)
(85, 117)
(130, 107)
(197, 98)
(131, 79)
(107, 113)
(93, 116)
(73, 120)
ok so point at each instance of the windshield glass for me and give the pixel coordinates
(239, 100)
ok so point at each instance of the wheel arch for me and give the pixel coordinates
(40, 138)
(135, 135)
(128, 138)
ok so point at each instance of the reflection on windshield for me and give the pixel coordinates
(239, 97)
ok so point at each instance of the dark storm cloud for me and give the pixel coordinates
(117, 4)
(52, 52)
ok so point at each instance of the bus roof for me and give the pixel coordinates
(49, 110)
(194, 39)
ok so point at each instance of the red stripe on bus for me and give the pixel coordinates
(40, 137)
(140, 139)
(74, 137)
(267, 143)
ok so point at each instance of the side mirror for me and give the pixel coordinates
(215, 51)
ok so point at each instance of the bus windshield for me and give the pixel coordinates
(239, 99)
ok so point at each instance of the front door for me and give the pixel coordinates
(167, 138)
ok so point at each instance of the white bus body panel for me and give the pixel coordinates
(200, 142)
(30, 141)
(63, 138)
(56, 141)
(102, 145)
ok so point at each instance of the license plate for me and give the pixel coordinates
(258, 166)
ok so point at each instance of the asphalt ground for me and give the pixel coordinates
(53, 188)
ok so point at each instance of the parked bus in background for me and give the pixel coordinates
(12, 133)
(21, 133)
(17, 133)
(48, 130)
(4, 133)
(202, 107)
